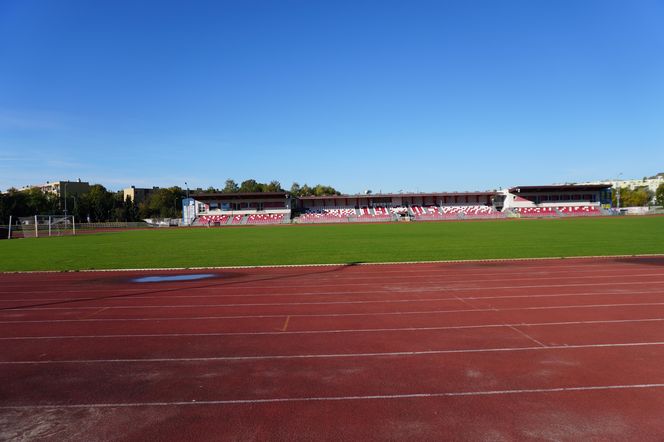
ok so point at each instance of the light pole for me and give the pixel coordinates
(618, 191)
(65, 199)
(187, 186)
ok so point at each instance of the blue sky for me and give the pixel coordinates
(384, 95)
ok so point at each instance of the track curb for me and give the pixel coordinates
(277, 266)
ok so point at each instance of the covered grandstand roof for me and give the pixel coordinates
(240, 195)
(559, 187)
(393, 195)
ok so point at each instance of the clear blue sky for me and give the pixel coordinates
(384, 95)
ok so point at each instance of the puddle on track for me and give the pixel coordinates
(171, 278)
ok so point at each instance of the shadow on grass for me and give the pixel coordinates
(184, 285)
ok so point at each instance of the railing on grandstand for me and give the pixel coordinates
(110, 226)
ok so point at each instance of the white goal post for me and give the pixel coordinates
(47, 225)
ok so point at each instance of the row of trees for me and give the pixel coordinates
(100, 204)
(659, 195)
(97, 205)
(252, 185)
(639, 196)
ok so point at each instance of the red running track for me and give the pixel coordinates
(567, 349)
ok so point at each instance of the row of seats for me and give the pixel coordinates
(536, 211)
(580, 210)
(374, 214)
(266, 218)
(334, 212)
(319, 217)
(433, 212)
(558, 211)
(204, 220)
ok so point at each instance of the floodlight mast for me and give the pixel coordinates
(618, 190)
(65, 198)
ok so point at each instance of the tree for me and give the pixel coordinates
(273, 186)
(318, 190)
(100, 203)
(250, 186)
(637, 197)
(163, 203)
(659, 195)
(231, 187)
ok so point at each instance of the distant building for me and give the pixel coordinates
(137, 195)
(651, 183)
(557, 197)
(61, 188)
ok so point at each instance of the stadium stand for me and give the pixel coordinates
(535, 212)
(580, 211)
(454, 212)
(328, 215)
(374, 214)
(265, 218)
(207, 220)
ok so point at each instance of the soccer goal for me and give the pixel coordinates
(40, 226)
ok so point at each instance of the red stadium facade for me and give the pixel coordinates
(209, 209)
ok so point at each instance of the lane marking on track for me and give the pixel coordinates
(338, 398)
(526, 335)
(275, 304)
(616, 292)
(282, 266)
(283, 329)
(579, 269)
(337, 331)
(347, 281)
(334, 355)
(336, 315)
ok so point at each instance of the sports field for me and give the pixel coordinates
(347, 243)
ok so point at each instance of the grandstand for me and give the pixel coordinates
(224, 209)
(557, 200)
(221, 209)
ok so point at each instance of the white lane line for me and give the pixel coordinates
(337, 398)
(435, 278)
(424, 285)
(274, 304)
(333, 355)
(313, 294)
(444, 289)
(382, 292)
(336, 331)
(336, 315)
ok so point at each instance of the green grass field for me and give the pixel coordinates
(314, 244)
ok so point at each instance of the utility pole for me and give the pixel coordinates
(618, 191)
(65, 198)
